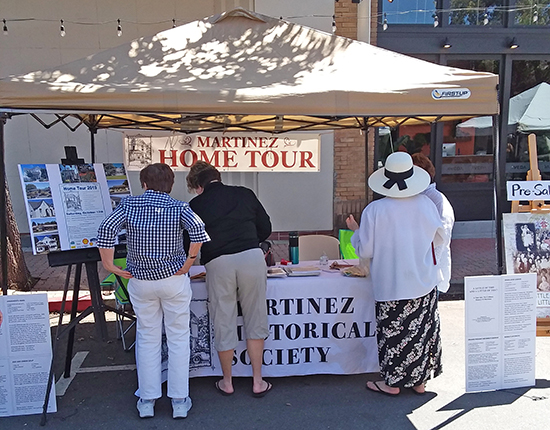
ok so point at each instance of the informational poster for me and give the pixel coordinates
(527, 250)
(66, 203)
(228, 152)
(500, 331)
(25, 355)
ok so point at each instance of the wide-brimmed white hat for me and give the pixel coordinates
(399, 178)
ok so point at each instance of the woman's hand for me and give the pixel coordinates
(351, 223)
(107, 256)
(118, 271)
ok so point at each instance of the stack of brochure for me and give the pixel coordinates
(302, 271)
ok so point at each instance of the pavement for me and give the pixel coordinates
(101, 394)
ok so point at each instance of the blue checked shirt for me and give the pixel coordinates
(154, 224)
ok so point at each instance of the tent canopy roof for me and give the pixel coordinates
(245, 71)
(528, 112)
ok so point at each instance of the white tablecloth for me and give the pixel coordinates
(318, 325)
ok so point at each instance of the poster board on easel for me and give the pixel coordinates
(66, 203)
(527, 234)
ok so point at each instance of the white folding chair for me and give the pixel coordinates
(312, 247)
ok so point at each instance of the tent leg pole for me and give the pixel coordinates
(497, 187)
(3, 215)
(92, 144)
(500, 139)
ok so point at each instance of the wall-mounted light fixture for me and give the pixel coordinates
(514, 44)
(446, 43)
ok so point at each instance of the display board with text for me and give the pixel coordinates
(66, 203)
(25, 355)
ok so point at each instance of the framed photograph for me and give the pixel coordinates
(527, 250)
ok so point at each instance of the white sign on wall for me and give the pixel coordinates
(228, 152)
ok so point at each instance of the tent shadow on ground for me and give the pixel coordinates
(471, 401)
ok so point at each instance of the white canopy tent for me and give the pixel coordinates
(529, 111)
(242, 71)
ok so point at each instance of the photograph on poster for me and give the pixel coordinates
(46, 243)
(69, 173)
(41, 208)
(119, 186)
(86, 173)
(38, 190)
(114, 171)
(34, 173)
(527, 250)
(44, 225)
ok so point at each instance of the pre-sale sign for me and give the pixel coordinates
(237, 152)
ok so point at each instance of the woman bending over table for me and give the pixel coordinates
(236, 270)
(398, 234)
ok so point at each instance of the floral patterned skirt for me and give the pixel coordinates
(409, 342)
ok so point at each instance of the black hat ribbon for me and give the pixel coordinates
(397, 178)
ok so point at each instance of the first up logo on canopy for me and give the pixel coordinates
(459, 93)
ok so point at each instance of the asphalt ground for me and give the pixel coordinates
(101, 395)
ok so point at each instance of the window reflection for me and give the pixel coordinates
(528, 113)
(529, 12)
(480, 12)
(409, 11)
(467, 151)
(411, 139)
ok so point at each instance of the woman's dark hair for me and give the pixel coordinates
(425, 163)
(207, 176)
(195, 178)
(157, 177)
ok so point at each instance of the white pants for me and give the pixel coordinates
(150, 300)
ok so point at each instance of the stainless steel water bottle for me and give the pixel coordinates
(293, 247)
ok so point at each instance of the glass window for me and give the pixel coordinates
(530, 84)
(476, 12)
(409, 11)
(467, 152)
(526, 74)
(407, 138)
(529, 12)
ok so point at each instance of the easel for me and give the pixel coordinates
(534, 206)
(78, 257)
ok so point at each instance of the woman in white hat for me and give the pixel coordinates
(397, 234)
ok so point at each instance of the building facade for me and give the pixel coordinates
(510, 38)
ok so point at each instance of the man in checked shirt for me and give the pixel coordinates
(158, 284)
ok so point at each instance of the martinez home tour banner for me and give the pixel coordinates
(236, 152)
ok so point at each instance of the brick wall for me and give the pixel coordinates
(351, 193)
(346, 18)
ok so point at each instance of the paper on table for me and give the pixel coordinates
(303, 271)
